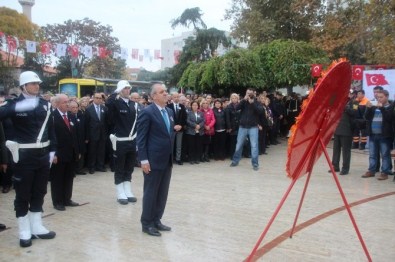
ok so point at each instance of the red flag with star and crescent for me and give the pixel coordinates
(376, 80)
(316, 70)
(357, 72)
(45, 48)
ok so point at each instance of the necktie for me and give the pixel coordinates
(66, 121)
(98, 112)
(166, 119)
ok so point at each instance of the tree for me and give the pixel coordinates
(261, 21)
(287, 63)
(190, 16)
(81, 33)
(13, 24)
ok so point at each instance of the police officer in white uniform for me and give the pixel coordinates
(32, 150)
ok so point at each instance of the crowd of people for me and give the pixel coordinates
(55, 137)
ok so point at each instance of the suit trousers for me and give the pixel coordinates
(62, 177)
(178, 145)
(342, 145)
(124, 160)
(96, 154)
(30, 180)
(156, 188)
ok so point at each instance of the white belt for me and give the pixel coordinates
(34, 145)
(124, 138)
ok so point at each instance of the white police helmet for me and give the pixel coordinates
(121, 85)
(29, 77)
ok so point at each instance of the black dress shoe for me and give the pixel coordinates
(80, 173)
(132, 199)
(162, 227)
(152, 231)
(342, 173)
(2, 227)
(91, 171)
(179, 162)
(59, 207)
(123, 201)
(49, 235)
(25, 242)
(101, 169)
(6, 189)
(71, 203)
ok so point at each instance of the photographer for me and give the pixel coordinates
(250, 109)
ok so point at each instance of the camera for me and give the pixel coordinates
(251, 96)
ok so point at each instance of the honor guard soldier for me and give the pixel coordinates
(123, 112)
(32, 151)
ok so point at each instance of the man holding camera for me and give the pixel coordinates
(250, 109)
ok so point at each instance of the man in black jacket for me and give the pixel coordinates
(180, 118)
(66, 155)
(249, 120)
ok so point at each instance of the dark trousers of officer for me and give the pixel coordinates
(96, 154)
(124, 159)
(30, 180)
(62, 177)
(156, 188)
(342, 145)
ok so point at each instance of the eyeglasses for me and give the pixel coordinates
(98, 97)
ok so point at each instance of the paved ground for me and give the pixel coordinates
(217, 213)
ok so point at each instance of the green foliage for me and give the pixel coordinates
(287, 63)
(16, 24)
(190, 16)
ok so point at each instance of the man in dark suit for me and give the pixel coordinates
(66, 155)
(96, 133)
(180, 117)
(155, 140)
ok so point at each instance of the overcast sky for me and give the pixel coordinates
(136, 23)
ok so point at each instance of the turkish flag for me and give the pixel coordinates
(357, 72)
(157, 54)
(11, 43)
(103, 52)
(380, 67)
(316, 70)
(376, 80)
(176, 55)
(73, 51)
(45, 48)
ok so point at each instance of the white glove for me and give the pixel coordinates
(26, 104)
(51, 156)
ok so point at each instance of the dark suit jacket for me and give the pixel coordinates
(67, 147)
(96, 129)
(180, 118)
(154, 142)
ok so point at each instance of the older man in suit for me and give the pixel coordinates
(96, 133)
(180, 117)
(66, 155)
(155, 140)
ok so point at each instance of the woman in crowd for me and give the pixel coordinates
(219, 139)
(208, 128)
(263, 125)
(194, 132)
(232, 117)
(269, 116)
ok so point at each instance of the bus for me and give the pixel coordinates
(80, 87)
